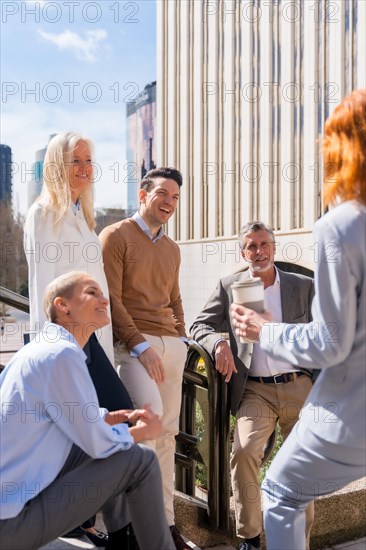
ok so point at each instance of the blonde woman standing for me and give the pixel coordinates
(59, 228)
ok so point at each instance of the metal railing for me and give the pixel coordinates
(12, 299)
(212, 450)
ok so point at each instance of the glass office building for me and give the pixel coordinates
(5, 174)
(140, 141)
(36, 182)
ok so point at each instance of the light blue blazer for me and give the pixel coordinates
(335, 341)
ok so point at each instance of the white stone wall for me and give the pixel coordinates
(243, 90)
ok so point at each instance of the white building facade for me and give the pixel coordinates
(243, 90)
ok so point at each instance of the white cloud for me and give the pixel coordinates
(85, 49)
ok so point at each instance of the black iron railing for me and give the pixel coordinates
(209, 393)
(212, 449)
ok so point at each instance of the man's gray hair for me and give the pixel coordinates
(251, 227)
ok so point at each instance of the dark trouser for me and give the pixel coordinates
(86, 485)
(110, 390)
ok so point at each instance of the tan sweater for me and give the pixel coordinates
(143, 283)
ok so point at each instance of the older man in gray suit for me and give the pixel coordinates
(262, 391)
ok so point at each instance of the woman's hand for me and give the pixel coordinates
(247, 322)
(117, 417)
(147, 424)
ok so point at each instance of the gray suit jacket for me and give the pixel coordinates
(297, 292)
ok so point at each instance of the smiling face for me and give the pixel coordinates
(81, 170)
(87, 306)
(159, 203)
(259, 251)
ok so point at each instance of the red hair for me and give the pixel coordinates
(344, 149)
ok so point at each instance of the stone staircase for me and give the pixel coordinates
(339, 517)
(340, 524)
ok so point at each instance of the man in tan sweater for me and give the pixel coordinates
(142, 268)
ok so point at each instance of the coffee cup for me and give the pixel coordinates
(249, 293)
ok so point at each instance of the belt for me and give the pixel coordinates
(278, 378)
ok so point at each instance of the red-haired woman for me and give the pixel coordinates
(326, 449)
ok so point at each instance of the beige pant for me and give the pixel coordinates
(262, 406)
(164, 399)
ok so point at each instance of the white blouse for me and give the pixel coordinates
(52, 251)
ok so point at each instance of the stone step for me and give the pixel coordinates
(76, 544)
(340, 516)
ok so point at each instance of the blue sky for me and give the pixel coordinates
(73, 66)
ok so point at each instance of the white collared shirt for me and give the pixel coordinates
(146, 229)
(262, 364)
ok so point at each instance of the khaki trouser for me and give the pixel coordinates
(164, 399)
(262, 406)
